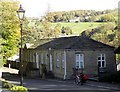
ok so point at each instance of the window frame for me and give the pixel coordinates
(100, 59)
(79, 61)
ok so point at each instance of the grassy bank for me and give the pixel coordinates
(77, 28)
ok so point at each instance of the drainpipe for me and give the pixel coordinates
(65, 65)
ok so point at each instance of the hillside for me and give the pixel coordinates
(78, 28)
(99, 25)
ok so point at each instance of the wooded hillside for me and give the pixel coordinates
(99, 25)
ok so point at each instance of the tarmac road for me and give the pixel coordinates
(53, 85)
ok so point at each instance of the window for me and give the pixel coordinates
(57, 60)
(101, 60)
(79, 60)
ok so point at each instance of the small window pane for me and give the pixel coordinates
(103, 63)
(79, 60)
(103, 58)
(99, 65)
(98, 58)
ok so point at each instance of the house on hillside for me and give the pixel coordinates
(62, 56)
(76, 19)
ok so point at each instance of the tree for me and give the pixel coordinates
(68, 30)
(57, 30)
(9, 28)
(107, 18)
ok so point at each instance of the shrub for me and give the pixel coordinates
(18, 89)
(7, 85)
(13, 87)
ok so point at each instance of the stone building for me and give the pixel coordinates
(62, 56)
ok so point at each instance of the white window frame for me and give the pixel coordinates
(79, 61)
(102, 58)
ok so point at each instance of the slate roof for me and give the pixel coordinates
(73, 42)
(37, 43)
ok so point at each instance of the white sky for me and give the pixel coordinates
(37, 8)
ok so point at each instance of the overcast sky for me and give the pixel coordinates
(37, 8)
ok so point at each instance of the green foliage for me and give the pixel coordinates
(101, 31)
(13, 87)
(57, 29)
(107, 18)
(107, 34)
(38, 30)
(1, 56)
(7, 85)
(78, 28)
(84, 15)
(9, 28)
(19, 89)
(118, 58)
(68, 31)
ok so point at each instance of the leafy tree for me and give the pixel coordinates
(68, 30)
(107, 18)
(57, 30)
(50, 17)
(9, 28)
